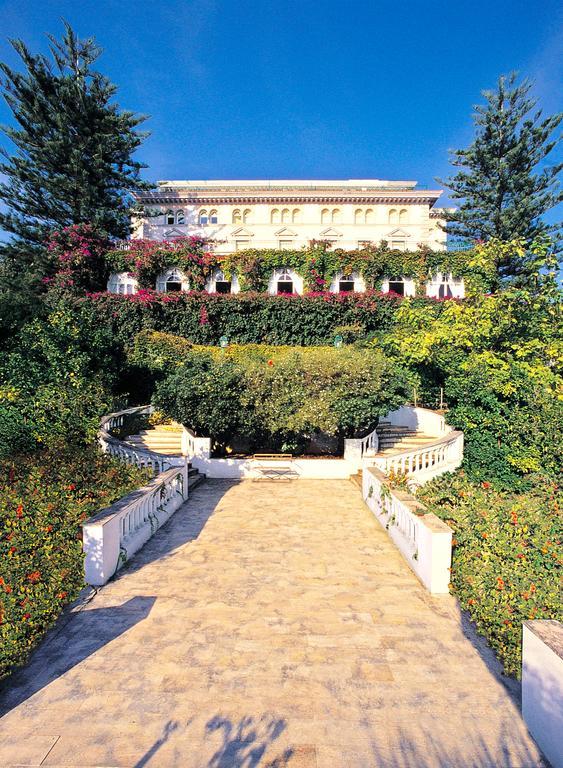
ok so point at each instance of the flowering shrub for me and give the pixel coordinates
(78, 252)
(507, 557)
(146, 259)
(43, 501)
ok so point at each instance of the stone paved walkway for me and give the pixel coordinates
(268, 624)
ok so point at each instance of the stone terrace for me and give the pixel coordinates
(267, 624)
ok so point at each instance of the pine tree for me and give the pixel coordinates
(73, 160)
(503, 183)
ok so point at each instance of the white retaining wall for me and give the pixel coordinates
(245, 469)
(112, 536)
(421, 419)
(542, 686)
(423, 539)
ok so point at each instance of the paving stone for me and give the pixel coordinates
(266, 624)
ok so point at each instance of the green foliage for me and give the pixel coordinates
(43, 501)
(510, 414)
(244, 318)
(51, 392)
(503, 182)
(507, 561)
(74, 159)
(276, 394)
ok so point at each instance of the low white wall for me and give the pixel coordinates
(111, 537)
(242, 469)
(542, 686)
(423, 539)
(421, 419)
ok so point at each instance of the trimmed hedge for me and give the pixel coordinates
(248, 318)
(274, 396)
(507, 560)
(43, 501)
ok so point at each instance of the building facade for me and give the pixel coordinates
(288, 214)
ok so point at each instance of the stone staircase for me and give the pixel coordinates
(393, 439)
(167, 440)
(164, 438)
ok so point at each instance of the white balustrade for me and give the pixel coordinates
(130, 454)
(112, 536)
(424, 463)
(422, 538)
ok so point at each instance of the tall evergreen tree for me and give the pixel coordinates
(73, 160)
(503, 183)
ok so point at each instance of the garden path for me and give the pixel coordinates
(267, 624)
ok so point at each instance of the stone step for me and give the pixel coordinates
(195, 478)
(357, 479)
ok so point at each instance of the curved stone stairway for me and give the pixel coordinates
(393, 440)
(167, 440)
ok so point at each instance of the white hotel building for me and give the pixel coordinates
(288, 214)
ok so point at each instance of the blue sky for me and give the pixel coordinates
(303, 89)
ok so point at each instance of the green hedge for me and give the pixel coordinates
(245, 319)
(507, 561)
(43, 501)
(276, 397)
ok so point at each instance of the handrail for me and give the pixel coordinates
(432, 458)
(121, 449)
(113, 535)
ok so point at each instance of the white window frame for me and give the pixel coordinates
(122, 283)
(172, 275)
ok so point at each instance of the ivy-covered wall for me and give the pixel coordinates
(249, 318)
(317, 264)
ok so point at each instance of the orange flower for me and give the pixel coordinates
(532, 588)
(485, 484)
(62, 595)
(270, 363)
(34, 577)
(19, 510)
(500, 583)
(26, 616)
(8, 589)
(49, 528)
(484, 535)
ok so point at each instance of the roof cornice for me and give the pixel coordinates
(427, 196)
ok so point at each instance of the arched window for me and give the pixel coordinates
(202, 218)
(358, 216)
(346, 283)
(284, 282)
(180, 218)
(336, 216)
(403, 216)
(222, 285)
(237, 217)
(172, 281)
(296, 216)
(370, 216)
(393, 216)
(285, 216)
(122, 282)
(213, 217)
(325, 216)
(397, 285)
(247, 216)
(275, 216)
(169, 217)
